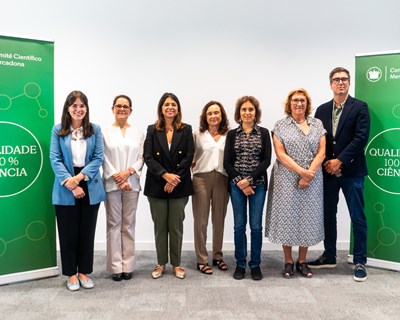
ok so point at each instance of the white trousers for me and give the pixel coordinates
(121, 221)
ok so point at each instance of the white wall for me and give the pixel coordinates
(201, 50)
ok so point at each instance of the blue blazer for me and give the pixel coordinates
(61, 162)
(351, 135)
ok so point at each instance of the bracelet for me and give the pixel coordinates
(76, 181)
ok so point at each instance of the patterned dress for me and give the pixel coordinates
(295, 216)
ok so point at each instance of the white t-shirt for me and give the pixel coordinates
(209, 154)
(120, 153)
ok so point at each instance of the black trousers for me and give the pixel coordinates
(76, 230)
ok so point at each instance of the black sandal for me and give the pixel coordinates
(220, 264)
(287, 271)
(204, 268)
(303, 269)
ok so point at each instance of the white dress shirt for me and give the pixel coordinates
(78, 147)
(209, 154)
(120, 153)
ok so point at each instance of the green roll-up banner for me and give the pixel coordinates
(378, 83)
(27, 219)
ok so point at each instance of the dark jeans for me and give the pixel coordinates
(256, 206)
(353, 190)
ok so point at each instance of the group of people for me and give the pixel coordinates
(315, 158)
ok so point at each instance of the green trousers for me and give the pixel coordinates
(168, 216)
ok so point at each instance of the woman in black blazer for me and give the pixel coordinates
(168, 154)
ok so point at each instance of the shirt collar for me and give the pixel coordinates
(256, 128)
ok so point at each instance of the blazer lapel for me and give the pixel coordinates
(176, 138)
(345, 112)
(162, 140)
(68, 161)
(327, 121)
(89, 147)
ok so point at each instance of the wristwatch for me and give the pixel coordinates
(131, 171)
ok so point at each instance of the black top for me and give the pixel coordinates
(160, 159)
(259, 173)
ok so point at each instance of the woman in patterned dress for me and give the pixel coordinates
(295, 199)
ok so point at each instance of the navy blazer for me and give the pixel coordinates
(351, 135)
(160, 159)
(61, 162)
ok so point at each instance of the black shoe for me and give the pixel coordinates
(322, 263)
(360, 274)
(239, 273)
(256, 273)
(117, 276)
(127, 275)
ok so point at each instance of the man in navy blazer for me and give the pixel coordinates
(347, 123)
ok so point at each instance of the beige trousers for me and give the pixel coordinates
(210, 191)
(121, 220)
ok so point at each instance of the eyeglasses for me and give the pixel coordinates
(120, 107)
(337, 80)
(76, 106)
(296, 101)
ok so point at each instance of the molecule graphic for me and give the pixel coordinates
(386, 236)
(32, 91)
(34, 231)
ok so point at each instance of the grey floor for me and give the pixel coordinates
(330, 294)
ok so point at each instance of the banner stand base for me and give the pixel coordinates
(377, 263)
(28, 275)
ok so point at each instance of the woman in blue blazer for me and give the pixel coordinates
(76, 154)
(168, 154)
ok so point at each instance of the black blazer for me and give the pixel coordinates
(265, 157)
(351, 135)
(159, 159)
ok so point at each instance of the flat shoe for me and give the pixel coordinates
(158, 271)
(287, 271)
(239, 273)
(87, 284)
(179, 272)
(127, 275)
(73, 286)
(303, 269)
(117, 276)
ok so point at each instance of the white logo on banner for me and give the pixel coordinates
(374, 74)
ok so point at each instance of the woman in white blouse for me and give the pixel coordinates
(76, 154)
(122, 166)
(210, 183)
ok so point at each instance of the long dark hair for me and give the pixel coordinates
(223, 126)
(160, 123)
(66, 119)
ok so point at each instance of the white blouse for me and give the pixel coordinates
(209, 154)
(120, 153)
(78, 147)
